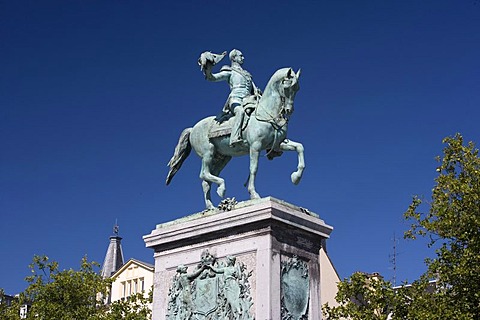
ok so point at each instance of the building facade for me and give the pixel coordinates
(133, 277)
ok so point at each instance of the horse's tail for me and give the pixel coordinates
(182, 150)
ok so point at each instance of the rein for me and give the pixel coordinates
(277, 122)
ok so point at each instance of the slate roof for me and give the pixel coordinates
(114, 257)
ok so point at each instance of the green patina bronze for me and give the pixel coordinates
(295, 289)
(254, 121)
(214, 291)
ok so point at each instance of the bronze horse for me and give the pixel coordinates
(266, 130)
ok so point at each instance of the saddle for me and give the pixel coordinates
(221, 128)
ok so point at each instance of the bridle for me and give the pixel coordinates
(279, 120)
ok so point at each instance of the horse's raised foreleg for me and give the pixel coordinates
(289, 145)
(254, 155)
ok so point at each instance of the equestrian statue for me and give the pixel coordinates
(251, 121)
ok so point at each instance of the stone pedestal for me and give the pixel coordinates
(266, 254)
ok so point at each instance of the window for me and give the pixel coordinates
(24, 311)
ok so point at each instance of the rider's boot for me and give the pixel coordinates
(236, 135)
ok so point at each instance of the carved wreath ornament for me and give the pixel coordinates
(215, 290)
(295, 289)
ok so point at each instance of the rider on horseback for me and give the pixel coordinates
(241, 86)
(266, 129)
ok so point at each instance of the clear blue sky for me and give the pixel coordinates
(94, 94)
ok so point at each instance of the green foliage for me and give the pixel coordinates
(452, 223)
(362, 297)
(135, 307)
(66, 294)
(8, 312)
(73, 295)
(3, 305)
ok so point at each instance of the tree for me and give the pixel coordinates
(135, 307)
(8, 311)
(452, 223)
(66, 294)
(3, 303)
(362, 297)
(73, 295)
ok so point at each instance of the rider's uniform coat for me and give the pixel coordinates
(241, 86)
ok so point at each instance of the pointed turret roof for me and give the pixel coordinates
(114, 257)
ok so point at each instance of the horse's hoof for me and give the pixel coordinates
(254, 196)
(221, 192)
(209, 206)
(295, 178)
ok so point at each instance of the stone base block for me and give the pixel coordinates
(261, 260)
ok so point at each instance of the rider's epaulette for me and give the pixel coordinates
(226, 68)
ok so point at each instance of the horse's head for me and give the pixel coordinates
(287, 89)
(277, 99)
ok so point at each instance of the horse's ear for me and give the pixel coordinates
(289, 73)
(298, 73)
